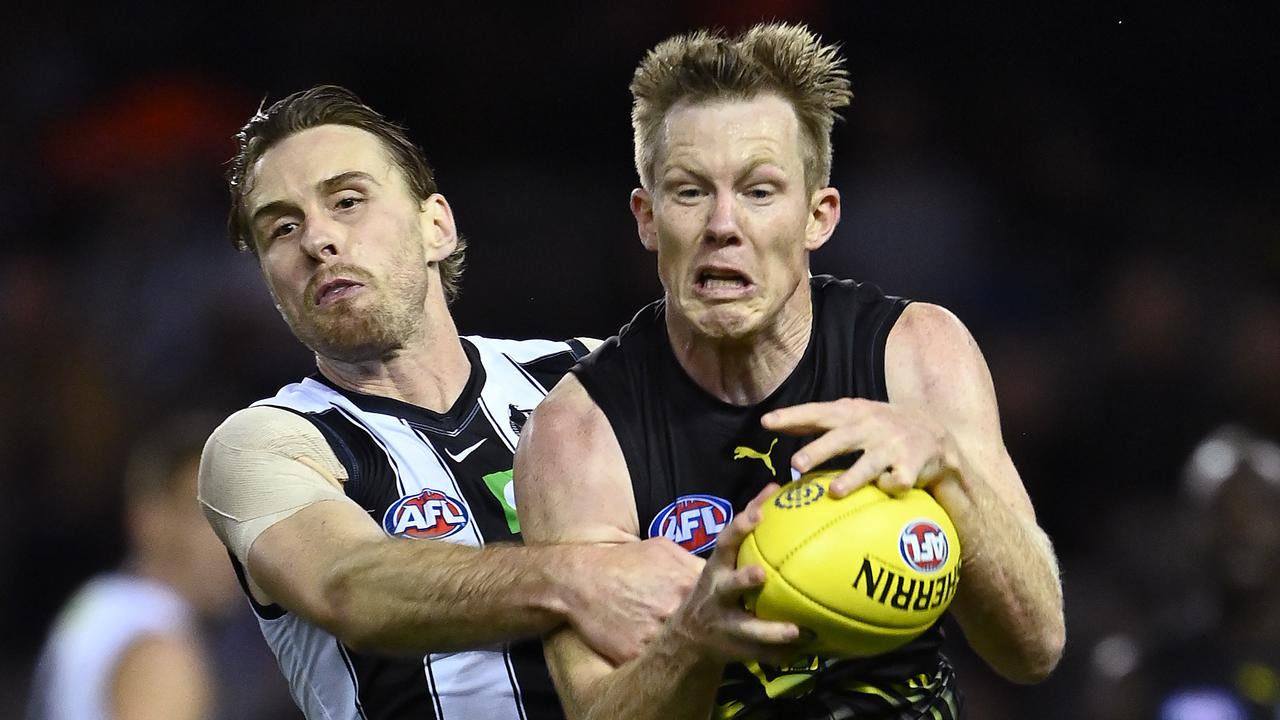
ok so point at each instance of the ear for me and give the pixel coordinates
(642, 209)
(824, 215)
(439, 231)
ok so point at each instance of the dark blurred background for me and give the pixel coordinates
(1093, 189)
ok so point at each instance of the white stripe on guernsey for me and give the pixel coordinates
(478, 676)
(515, 683)
(522, 350)
(498, 427)
(431, 687)
(391, 459)
(508, 384)
(525, 373)
(355, 681)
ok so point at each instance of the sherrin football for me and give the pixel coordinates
(866, 573)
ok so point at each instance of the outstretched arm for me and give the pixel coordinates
(941, 430)
(275, 499)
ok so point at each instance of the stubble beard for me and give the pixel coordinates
(395, 317)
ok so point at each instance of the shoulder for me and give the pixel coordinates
(569, 466)
(258, 441)
(567, 414)
(261, 426)
(853, 291)
(526, 351)
(925, 327)
(931, 356)
(112, 611)
(266, 428)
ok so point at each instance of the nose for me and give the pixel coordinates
(323, 237)
(722, 225)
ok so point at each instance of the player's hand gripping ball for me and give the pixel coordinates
(866, 573)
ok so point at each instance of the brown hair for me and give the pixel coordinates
(329, 105)
(768, 58)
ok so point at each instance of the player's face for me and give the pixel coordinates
(730, 216)
(344, 246)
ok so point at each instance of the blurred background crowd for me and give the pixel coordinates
(1093, 189)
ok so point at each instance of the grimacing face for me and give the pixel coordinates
(344, 246)
(729, 214)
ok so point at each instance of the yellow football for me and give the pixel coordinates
(866, 573)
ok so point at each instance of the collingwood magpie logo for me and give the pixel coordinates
(518, 417)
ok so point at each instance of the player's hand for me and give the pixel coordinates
(631, 589)
(712, 618)
(901, 448)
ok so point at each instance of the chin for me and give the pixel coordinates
(350, 339)
(726, 325)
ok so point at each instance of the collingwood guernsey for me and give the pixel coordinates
(430, 477)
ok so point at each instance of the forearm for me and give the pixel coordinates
(399, 596)
(666, 682)
(1010, 598)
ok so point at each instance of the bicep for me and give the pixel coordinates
(571, 481)
(292, 559)
(933, 363)
(572, 486)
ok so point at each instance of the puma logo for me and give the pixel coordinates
(742, 451)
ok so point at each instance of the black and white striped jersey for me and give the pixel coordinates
(431, 476)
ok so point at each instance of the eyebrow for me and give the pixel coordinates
(760, 161)
(754, 164)
(326, 186)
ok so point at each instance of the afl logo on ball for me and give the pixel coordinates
(427, 515)
(692, 521)
(923, 546)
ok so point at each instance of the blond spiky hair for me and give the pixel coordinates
(769, 58)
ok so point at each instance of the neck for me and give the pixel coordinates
(744, 371)
(430, 371)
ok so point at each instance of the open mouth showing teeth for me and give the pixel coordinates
(721, 280)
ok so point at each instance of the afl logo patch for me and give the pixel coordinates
(924, 546)
(429, 515)
(692, 521)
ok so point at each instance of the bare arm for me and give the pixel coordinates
(161, 677)
(331, 564)
(277, 503)
(573, 486)
(1010, 599)
(941, 430)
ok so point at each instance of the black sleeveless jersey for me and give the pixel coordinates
(695, 461)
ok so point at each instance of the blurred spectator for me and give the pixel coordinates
(1212, 650)
(133, 643)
